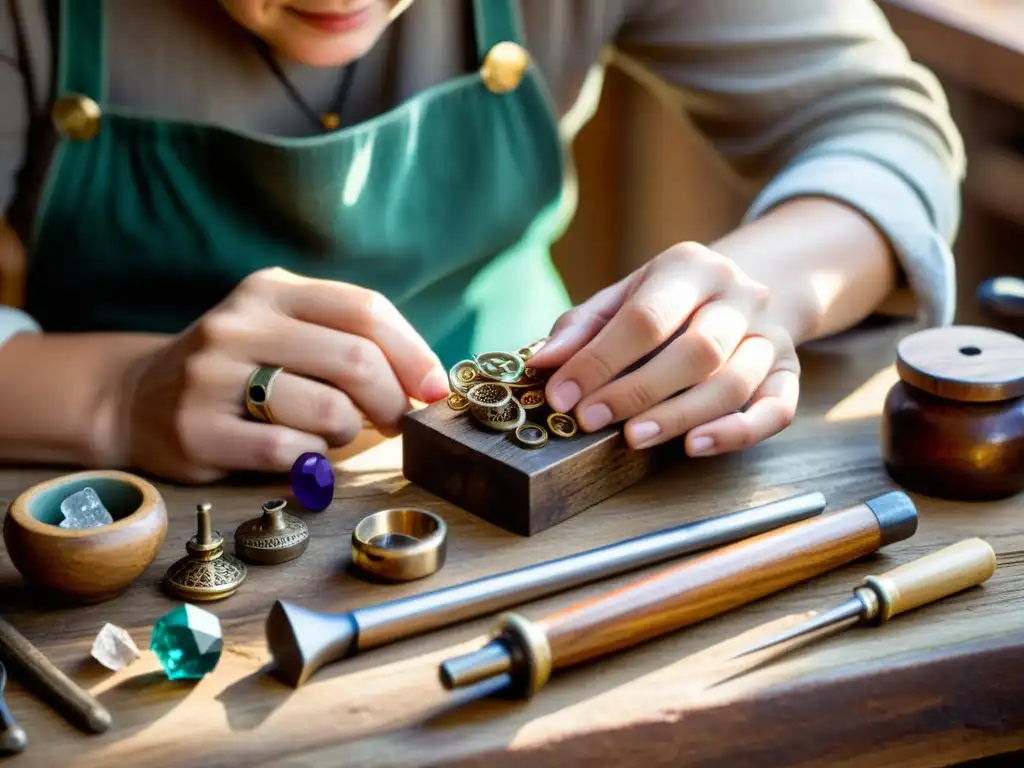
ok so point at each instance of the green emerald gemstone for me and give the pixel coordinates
(188, 642)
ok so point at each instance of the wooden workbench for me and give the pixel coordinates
(932, 688)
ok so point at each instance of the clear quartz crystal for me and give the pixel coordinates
(84, 510)
(114, 648)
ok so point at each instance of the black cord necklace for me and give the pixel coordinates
(330, 120)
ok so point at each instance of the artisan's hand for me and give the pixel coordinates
(730, 353)
(346, 352)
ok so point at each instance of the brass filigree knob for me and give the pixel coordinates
(206, 572)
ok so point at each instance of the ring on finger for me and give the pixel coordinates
(258, 390)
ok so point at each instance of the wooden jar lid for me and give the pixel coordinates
(964, 363)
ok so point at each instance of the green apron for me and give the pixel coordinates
(446, 204)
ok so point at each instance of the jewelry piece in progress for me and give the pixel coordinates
(400, 544)
(206, 572)
(489, 395)
(458, 401)
(532, 435)
(562, 424)
(504, 419)
(500, 366)
(272, 538)
(532, 398)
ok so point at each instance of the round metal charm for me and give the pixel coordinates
(531, 435)
(463, 375)
(562, 424)
(458, 401)
(500, 366)
(532, 398)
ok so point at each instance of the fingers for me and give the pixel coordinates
(236, 444)
(360, 312)
(725, 392)
(710, 339)
(772, 410)
(582, 323)
(349, 363)
(665, 296)
(314, 408)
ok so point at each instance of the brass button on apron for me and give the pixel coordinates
(76, 116)
(504, 67)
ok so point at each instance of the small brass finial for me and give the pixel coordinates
(272, 538)
(206, 572)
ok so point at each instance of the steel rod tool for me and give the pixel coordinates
(302, 640)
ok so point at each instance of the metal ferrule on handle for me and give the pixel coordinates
(301, 640)
(685, 594)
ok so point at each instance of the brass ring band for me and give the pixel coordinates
(257, 392)
(401, 544)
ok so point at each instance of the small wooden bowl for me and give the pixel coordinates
(953, 427)
(87, 565)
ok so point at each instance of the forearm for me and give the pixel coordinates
(827, 267)
(56, 391)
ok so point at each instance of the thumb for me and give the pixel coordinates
(575, 328)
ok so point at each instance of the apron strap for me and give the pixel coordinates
(82, 41)
(496, 21)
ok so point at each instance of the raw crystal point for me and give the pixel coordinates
(188, 642)
(84, 509)
(114, 648)
(313, 481)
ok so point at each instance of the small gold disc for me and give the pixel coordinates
(458, 401)
(531, 435)
(562, 424)
(330, 120)
(532, 398)
(463, 375)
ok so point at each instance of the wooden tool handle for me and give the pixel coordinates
(953, 569)
(712, 584)
(39, 673)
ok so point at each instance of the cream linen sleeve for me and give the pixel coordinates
(816, 97)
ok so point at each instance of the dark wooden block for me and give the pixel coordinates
(523, 490)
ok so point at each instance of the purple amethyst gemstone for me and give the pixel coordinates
(313, 481)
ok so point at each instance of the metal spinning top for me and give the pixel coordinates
(273, 537)
(206, 572)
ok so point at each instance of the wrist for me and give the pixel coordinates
(825, 265)
(62, 394)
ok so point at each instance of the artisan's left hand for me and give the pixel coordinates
(728, 381)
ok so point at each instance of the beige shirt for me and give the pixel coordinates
(798, 96)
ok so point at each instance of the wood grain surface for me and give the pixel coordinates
(710, 584)
(933, 687)
(523, 490)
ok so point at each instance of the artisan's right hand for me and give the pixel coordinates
(346, 352)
